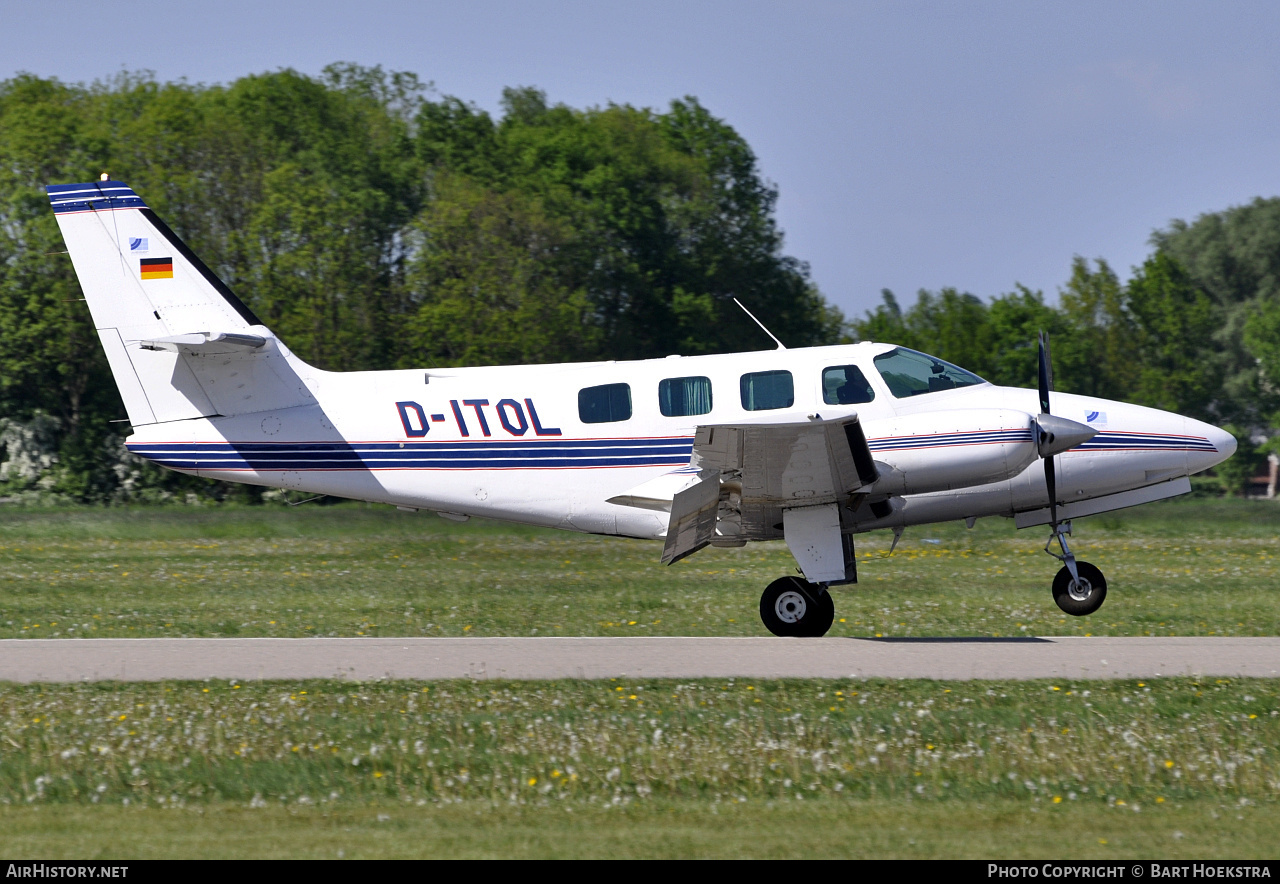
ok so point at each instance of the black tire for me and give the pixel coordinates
(824, 612)
(1084, 599)
(790, 607)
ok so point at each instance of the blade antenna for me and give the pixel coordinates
(781, 346)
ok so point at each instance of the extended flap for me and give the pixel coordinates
(693, 519)
(789, 463)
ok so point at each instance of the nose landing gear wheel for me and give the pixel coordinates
(792, 607)
(1079, 598)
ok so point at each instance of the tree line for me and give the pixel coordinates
(373, 223)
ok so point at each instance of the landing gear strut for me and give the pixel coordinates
(1079, 588)
(793, 607)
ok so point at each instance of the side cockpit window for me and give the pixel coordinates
(764, 390)
(845, 385)
(679, 397)
(908, 373)
(605, 404)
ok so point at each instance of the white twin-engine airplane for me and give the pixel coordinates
(810, 445)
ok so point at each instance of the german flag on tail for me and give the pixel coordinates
(156, 268)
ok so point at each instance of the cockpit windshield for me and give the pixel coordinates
(908, 373)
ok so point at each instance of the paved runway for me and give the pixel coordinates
(367, 659)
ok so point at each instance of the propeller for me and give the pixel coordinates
(1045, 372)
(1054, 434)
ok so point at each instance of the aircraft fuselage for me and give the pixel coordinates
(510, 442)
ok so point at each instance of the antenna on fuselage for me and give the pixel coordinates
(781, 346)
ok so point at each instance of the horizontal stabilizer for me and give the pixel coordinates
(656, 494)
(205, 342)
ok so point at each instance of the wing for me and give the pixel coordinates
(750, 474)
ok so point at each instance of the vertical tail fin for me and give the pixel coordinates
(180, 343)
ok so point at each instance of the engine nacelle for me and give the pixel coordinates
(939, 451)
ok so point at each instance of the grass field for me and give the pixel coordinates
(881, 829)
(1191, 764)
(1184, 568)
(1167, 768)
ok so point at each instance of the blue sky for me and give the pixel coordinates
(914, 144)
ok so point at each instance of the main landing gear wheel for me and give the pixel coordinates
(1083, 596)
(792, 607)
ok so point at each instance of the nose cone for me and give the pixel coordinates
(1058, 434)
(1222, 443)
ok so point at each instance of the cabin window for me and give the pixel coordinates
(604, 404)
(908, 373)
(845, 385)
(763, 390)
(678, 397)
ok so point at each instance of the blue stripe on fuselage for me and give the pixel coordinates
(947, 440)
(553, 453)
(1116, 441)
(548, 454)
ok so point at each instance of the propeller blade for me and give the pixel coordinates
(1048, 428)
(1051, 481)
(1045, 373)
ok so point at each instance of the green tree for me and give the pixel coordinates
(885, 323)
(1016, 320)
(668, 219)
(1171, 357)
(487, 284)
(50, 360)
(1233, 256)
(996, 340)
(1262, 340)
(948, 324)
(1093, 356)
